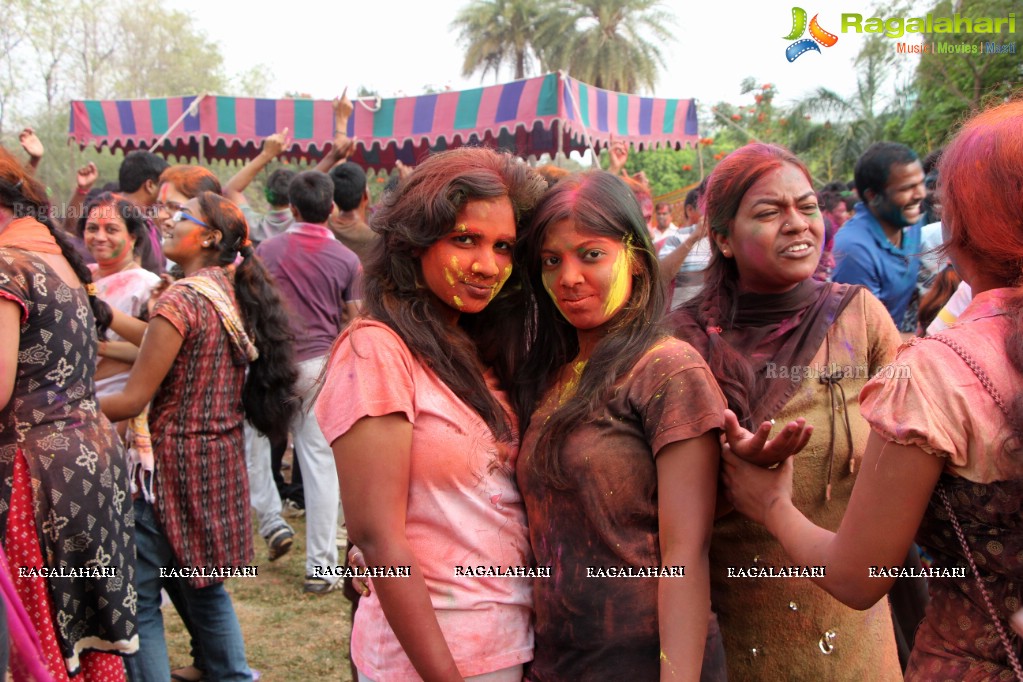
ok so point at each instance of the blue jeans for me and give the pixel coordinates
(207, 613)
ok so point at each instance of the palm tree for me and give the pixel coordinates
(497, 32)
(854, 123)
(608, 46)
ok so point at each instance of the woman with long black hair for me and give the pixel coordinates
(216, 352)
(414, 404)
(620, 412)
(114, 228)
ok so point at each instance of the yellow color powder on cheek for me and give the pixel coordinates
(620, 279)
(455, 273)
(505, 274)
(546, 277)
(458, 302)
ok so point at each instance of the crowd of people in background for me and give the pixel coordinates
(769, 432)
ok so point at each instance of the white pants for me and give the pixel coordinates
(319, 476)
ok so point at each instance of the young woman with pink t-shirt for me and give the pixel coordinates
(425, 442)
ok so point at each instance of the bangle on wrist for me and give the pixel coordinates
(81, 191)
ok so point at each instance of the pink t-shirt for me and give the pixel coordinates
(464, 508)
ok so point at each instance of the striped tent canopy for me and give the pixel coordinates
(528, 117)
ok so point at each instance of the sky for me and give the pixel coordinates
(400, 47)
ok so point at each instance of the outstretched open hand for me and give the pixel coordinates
(757, 449)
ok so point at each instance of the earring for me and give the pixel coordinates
(206, 244)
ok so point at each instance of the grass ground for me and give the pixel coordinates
(289, 635)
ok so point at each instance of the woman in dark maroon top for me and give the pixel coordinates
(618, 465)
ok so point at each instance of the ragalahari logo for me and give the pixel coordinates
(819, 35)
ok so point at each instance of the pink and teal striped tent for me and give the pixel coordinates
(528, 117)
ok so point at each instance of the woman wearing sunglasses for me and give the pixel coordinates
(216, 353)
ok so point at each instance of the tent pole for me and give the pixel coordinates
(192, 109)
(561, 145)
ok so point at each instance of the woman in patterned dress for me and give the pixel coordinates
(64, 504)
(943, 462)
(205, 331)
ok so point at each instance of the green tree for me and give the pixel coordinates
(613, 44)
(851, 124)
(666, 169)
(949, 87)
(164, 52)
(496, 33)
(95, 49)
(12, 36)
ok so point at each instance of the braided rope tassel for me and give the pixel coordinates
(989, 386)
(982, 376)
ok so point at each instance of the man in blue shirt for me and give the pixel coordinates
(878, 246)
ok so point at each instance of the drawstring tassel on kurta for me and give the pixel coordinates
(832, 381)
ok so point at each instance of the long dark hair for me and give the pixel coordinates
(981, 183)
(269, 395)
(600, 203)
(26, 198)
(419, 212)
(133, 217)
(701, 320)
